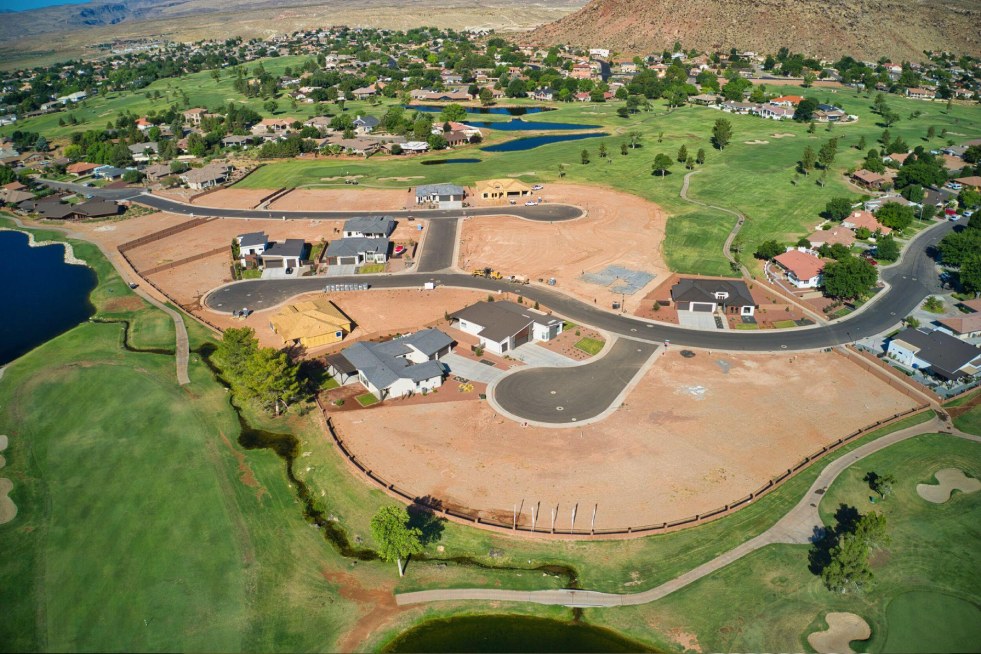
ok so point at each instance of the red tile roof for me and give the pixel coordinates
(804, 266)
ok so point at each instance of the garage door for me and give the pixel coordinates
(523, 336)
(702, 306)
(347, 261)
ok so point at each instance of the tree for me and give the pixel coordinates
(396, 540)
(871, 527)
(837, 209)
(682, 154)
(623, 149)
(271, 106)
(970, 274)
(895, 216)
(957, 248)
(690, 162)
(453, 112)
(236, 349)
(41, 144)
(861, 143)
(931, 132)
(271, 378)
(584, 157)
(886, 248)
(721, 133)
(889, 117)
(602, 150)
(805, 110)
(826, 155)
(768, 250)
(700, 157)
(486, 96)
(634, 137)
(807, 160)
(849, 278)
(517, 89)
(661, 164)
(849, 567)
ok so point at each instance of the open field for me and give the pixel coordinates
(620, 229)
(769, 601)
(688, 440)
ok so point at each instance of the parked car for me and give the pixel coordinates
(531, 203)
(537, 187)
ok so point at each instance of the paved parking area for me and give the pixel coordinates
(536, 355)
(472, 370)
(697, 320)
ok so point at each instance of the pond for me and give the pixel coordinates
(461, 160)
(500, 111)
(42, 296)
(519, 125)
(538, 141)
(509, 633)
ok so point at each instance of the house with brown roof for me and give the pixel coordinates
(205, 177)
(966, 326)
(920, 94)
(803, 268)
(787, 100)
(81, 168)
(972, 182)
(194, 116)
(866, 219)
(834, 236)
(868, 179)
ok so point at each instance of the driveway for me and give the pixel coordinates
(472, 370)
(697, 320)
(536, 355)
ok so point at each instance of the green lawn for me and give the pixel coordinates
(769, 601)
(590, 346)
(367, 399)
(784, 324)
(371, 268)
(971, 420)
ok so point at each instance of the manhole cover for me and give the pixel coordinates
(560, 408)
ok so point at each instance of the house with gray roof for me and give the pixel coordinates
(502, 326)
(357, 251)
(396, 368)
(447, 196)
(711, 295)
(285, 256)
(251, 246)
(364, 125)
(936, 353)
(369, 227)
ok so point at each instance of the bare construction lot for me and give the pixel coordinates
(694, 435)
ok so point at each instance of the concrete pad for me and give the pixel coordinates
(536, 355)
(472, 370)
(697, 320)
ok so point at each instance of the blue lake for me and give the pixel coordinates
(462, 160)
(509, 633)
(500, 111)
(518, 125)
(41, 295)
(537, 141)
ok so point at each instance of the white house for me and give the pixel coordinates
(446, 196)
(935, 352)
(803, 267)
(253, 244)
(369, 227)
(396, 368)
(711, 295)
(503, 326)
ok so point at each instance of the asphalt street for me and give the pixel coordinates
(910, 281)
(542, 212)
(574, 394)
(438, 246)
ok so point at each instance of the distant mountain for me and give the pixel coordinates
(867, 29)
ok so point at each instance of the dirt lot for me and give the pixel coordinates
(233, 198)
(348, 199)
(375, 313)
(690, 438)
(620, 229)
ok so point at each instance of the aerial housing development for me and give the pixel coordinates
(405, 338)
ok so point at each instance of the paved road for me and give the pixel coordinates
(910, 282)
(795, 527)
(576, 393)
(542, 212)
(438, 246)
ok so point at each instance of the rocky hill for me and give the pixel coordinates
(868, 29)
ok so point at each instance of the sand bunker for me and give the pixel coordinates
(948, 480)
(756, 142)
(842, 629)
(782, 135)
(400, 179)
(8, 510)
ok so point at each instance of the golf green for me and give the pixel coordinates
(925, 621)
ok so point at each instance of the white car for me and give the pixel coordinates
(531, 203)
(537, 187)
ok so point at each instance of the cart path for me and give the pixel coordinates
(740, 219)
(181, 344)
(797, 526)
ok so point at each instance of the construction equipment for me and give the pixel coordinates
(482, 272)
(518, 279)
(495, 275)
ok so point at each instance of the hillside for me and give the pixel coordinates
(899, 29)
